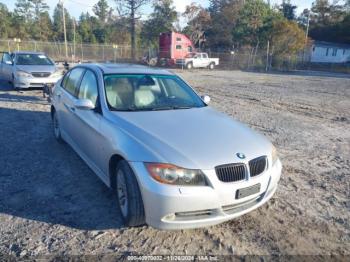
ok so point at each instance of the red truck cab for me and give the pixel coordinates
(173, 46)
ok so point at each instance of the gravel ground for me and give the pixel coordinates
(52, 204)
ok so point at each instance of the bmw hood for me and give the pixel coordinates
(198, 138)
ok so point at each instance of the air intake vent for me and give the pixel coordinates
(231, 172)
(257, 166)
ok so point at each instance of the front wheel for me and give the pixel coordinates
(189, 66)
(129, 197)
(12, 83)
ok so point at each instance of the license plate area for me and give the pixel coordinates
(248, 191)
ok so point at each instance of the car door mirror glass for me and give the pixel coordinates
(206, 99)
(84, 104)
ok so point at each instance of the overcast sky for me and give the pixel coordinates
(75, 7)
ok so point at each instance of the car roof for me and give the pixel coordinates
(28, 53)
(125, 68)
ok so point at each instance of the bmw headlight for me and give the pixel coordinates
(173, 175)
(22, 74)
(57, 73)
(274, 155)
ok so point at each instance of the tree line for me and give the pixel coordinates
(224, 25)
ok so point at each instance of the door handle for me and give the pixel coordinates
(70, 108)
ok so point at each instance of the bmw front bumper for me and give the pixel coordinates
(34, 82)
(178, 207)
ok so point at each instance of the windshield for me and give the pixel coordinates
(190, 55)
(149, 92)
(33, 59)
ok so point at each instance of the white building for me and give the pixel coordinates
(326, 52)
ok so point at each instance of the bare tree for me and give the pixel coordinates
(131, 9)
(198, 21)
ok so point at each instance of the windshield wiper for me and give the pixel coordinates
(182, 107)
(170, 108)
(162, 108)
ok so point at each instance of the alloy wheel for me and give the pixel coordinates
(122, 193)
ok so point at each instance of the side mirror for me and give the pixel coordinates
(84, 104)
(8, 63)
(206, 99)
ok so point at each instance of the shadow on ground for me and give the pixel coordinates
(45, 181)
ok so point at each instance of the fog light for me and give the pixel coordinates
(169, 217)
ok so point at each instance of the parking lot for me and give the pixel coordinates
(52, 204)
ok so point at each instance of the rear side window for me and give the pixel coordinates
(71, 82)
(88, 87)
(65, 79)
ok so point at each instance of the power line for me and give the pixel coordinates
(80, 3)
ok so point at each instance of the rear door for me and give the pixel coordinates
(87, 122)
(67, 109)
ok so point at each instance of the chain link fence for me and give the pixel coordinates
(75, 51)
(245, 59)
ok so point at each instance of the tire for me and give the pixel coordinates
(212, 66)
(56, 128)
(12, 83)
(163, 62)
(128, 195)
(189, 66)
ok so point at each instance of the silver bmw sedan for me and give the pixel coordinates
(172, 161)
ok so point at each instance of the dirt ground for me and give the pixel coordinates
(52, 204)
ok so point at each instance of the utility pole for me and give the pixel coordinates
(17, 40)
(64, 28)
(267, 56)
(307, 27)
(307, 33)
(74, 39)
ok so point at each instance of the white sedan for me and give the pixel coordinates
(28, 70)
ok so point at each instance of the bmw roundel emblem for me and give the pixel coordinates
(240, 155)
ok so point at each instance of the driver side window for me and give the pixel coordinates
(88, 87)
(174, 90)
(6, 58)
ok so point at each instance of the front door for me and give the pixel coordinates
(197, 60)
(6, 67)
(66, 111)
(1, 62)
(87, 122)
